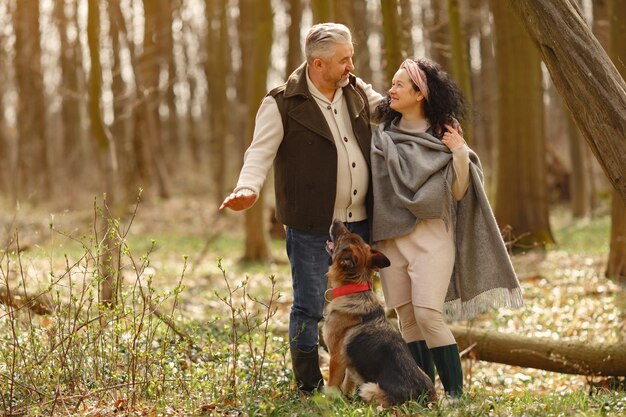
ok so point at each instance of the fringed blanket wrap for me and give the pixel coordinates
(411, 179)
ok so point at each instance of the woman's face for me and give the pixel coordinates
(403, 95)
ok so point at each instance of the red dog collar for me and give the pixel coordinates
(350, 289)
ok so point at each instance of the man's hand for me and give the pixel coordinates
(239, 201)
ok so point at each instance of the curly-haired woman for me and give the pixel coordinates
(433, 220)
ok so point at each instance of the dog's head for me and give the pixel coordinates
(353, 261)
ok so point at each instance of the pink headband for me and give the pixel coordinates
(417, 75)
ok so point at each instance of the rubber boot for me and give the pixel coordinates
(423, 357)
(448, 363)
(306, 369)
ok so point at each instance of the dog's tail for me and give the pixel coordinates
(372, 392)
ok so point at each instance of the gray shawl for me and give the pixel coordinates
(411, 179)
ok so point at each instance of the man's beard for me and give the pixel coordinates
(342, 83)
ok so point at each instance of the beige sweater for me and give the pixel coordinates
(352, 170)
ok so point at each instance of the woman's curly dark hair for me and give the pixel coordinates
(445, 99)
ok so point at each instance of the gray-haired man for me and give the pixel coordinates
(315, 128)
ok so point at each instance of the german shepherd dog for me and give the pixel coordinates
(365, 348)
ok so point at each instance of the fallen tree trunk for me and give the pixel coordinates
(564, 356)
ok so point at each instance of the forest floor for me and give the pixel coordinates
(190, 257)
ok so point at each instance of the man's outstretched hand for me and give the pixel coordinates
(239, 201)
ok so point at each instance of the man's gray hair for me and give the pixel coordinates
(321, 39)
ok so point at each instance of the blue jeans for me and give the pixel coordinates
(309, 264)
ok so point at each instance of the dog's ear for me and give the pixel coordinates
(378, 260)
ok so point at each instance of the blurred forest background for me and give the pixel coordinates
(112, 96)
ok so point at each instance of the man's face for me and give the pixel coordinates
(336, 68)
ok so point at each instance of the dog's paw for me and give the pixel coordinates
(332, 392)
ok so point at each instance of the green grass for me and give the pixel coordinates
(588, 236)
(150, 354)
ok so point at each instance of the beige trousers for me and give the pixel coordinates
(417, 281)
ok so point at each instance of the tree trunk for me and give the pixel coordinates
(406, 29)
(172, 143)
(484, 107)
(460, 60)
(70, 92)
(321, 10)
(360, 33)
(591, 86)
(6, 151)
(120, 128)
(107, 262)
(521, 185)
(582, 173)
(341, 12)
(294, 50)
(33, 171)
(256, 21)
(149, 69)
(392, 52)
(616, 266)
(217, 70)
(128, 111)
(436, 31)
(569, 357)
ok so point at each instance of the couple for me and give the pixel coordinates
(412, 186)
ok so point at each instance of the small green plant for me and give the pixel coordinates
(133, 351)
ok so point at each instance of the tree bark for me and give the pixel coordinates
(484, 107)
(340, 10)
(294, 50)
(107, 261)
(70, 93)
(582, 174)
(616, 266)
(521, 185)
(217, 72)
(589, 83)
(564, 356)
(148, 83)
(256, 21)
(321, 10)
(392, 40)
(436, 31)
(460, 60)
(173, 141)
(362, 27)
(32, 176)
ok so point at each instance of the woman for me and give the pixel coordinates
(433, 221)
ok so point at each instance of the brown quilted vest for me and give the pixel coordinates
(306, 162)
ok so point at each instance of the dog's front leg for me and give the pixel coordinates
(348, 383)
(336, 370)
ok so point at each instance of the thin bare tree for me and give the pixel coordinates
(460, 59)
(106, 159)
(32, 177)
(294, 49)
(616, 265)
(256, 23)
(521, 186)
(217, 68)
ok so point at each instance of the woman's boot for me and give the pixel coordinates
(423, 357)
(448, 363)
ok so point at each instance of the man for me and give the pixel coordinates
(315, 128)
